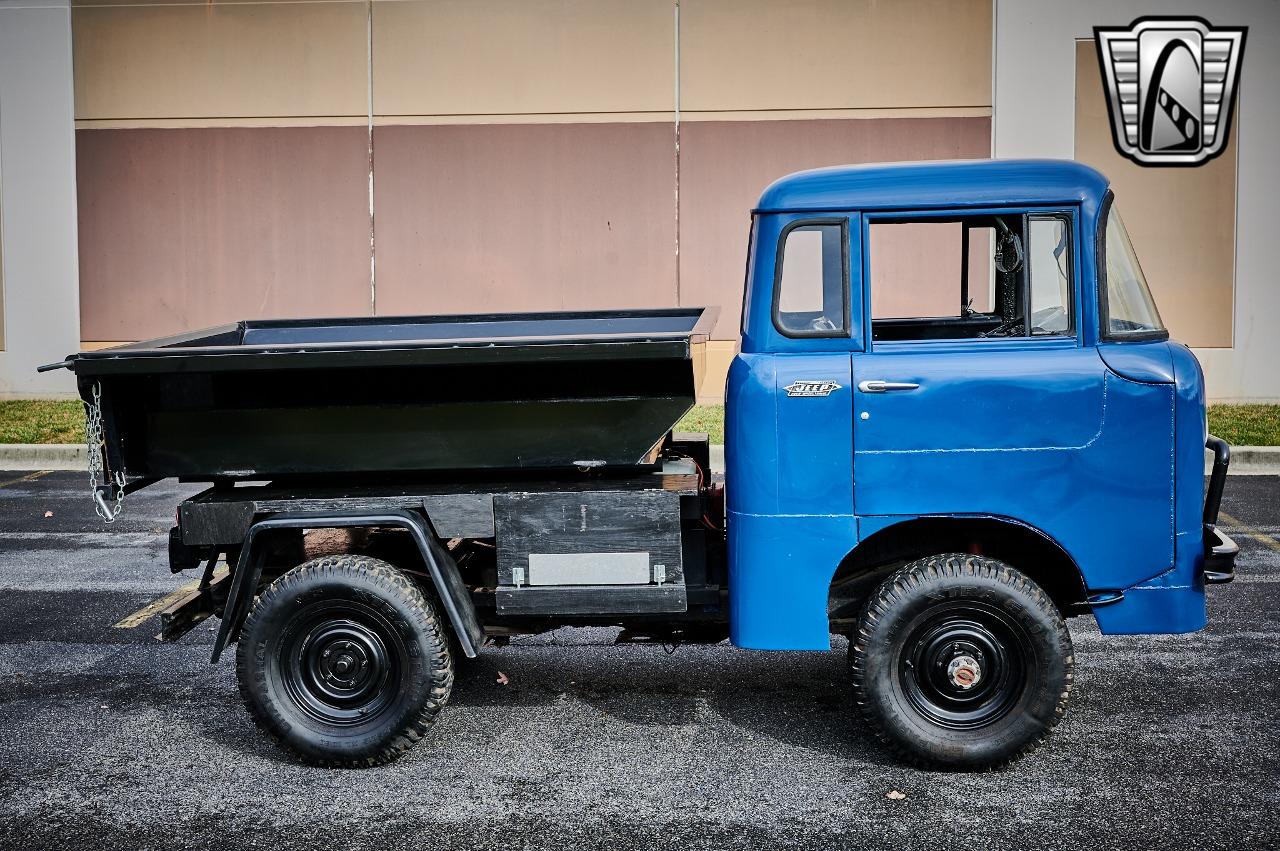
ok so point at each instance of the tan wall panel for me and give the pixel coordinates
(75, 4)
(825, 54)
(1182, 220)
(216, 60)
(447, 57)
(724, 165)
(524, 217)
(181, 229)
(717, 356)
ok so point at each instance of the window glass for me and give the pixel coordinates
(751, 265)
(973, 277)
(1049, 253)
(981, 290)
(1130, 309)
(811, 282)
(916, 269)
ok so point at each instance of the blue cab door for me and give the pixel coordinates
(960, 415)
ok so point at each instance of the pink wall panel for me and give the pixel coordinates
(916, 269)
(508, 217)
(724, 165)
(181, 229)
(186, 228)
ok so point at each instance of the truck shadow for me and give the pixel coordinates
(800, 699)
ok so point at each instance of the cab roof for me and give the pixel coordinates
(949, 183)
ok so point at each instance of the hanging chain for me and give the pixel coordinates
(98, 478)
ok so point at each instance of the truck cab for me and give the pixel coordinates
(964, 358)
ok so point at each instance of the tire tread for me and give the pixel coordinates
(950, 566)
(386, 578)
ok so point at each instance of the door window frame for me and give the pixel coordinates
(1071, 339)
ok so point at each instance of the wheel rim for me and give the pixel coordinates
(341, 664)
(964, 666)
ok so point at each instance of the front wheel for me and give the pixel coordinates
(961, 662)
(344, 661)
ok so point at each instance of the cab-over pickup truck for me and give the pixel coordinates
(955, 421)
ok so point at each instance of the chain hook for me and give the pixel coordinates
(99, 480)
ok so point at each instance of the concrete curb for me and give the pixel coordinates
(1245, 460)
(43, 456)
(1249, 461)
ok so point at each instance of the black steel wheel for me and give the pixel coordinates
(344, 661)
(961, 661)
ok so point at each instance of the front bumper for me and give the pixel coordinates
(1219, 550)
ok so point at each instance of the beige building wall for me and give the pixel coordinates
(725, 164)
(769, 88)
(525, 154)
(222, 163)
(189, 63)
(757, 55)
(1182, 220)
(507, 59)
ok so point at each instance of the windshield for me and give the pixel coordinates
(1129, 309)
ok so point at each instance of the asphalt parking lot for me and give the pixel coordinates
(110, 739)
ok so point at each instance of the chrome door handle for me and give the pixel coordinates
(885, 386)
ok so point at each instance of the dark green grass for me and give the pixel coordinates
(41, 421)
(705, 418)
(1246, 425)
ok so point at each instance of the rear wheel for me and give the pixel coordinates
(961, 661)
(344, 661)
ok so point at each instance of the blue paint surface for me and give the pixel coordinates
(950, 184)
(1097, 446)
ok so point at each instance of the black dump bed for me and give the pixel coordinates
(265, 399)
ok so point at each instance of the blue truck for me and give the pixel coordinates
(955, 421)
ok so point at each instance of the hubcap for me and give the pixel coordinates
(964, 672)
(964, 666)
(341, 665)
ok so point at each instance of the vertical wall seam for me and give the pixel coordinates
(373, 257)
(995, 52)
(676, 93)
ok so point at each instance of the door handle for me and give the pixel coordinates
(877, 386)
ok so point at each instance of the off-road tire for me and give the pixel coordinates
(914, 627)
(381, 626)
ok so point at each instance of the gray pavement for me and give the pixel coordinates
(109, 739)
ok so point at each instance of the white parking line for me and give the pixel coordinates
(1250, 532)
(29, 477)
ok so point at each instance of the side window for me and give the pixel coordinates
(1049, 256)
(809, 298)
(973, 277)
